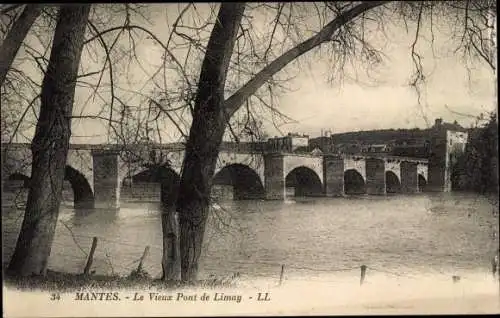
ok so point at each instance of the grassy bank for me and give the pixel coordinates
(66, 282)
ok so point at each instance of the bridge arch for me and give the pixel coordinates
(305, 182)
(392, 182)
(250, 160)
(244, 182)
(422, 182)
(80, 194)
(83, 197)
(314, 163)
(149, 183)
(354, 183)
(422, 169)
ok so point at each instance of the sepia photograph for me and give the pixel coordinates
(249, 158)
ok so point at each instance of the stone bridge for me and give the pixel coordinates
(100, 174)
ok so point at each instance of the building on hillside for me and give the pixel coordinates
(324, 143)
(377, 148)
(288, 143)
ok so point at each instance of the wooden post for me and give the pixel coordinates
(282, 273)
(494, 264)
(143, 257)
(91, 256)
(363, 274)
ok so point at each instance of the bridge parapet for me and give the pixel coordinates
(386, 158)
(407, 159)
(244, 148)
(15, 145)
(304, 155)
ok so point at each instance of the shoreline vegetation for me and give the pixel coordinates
(71, 282)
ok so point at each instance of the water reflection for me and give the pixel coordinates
(424, 233)
(81, 216)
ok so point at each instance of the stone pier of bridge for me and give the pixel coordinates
(409, 177)
(375, 176)
(274, 175)
(333, 171)
(106, 179)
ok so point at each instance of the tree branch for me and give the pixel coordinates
(15, 38)
(234, 102)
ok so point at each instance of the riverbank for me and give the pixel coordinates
(70, 282)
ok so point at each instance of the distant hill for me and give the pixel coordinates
(381, 136)
(386, 136)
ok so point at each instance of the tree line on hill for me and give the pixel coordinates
(476, 169)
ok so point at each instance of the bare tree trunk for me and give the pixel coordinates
(205, 137)
(50, 144)
(170, 262)
(15, 37)
(171, 254)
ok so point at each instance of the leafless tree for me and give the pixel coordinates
(50, 144)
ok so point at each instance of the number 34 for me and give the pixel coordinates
(55, 296)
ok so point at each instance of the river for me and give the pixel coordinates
(394, 235)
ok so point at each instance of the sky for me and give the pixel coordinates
(385, 99)
(317, 106)
(382, 100)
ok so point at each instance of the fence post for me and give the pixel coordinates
(494, 265)
(363, 273)
(91, 256)
(143, 257)
(282, 273)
